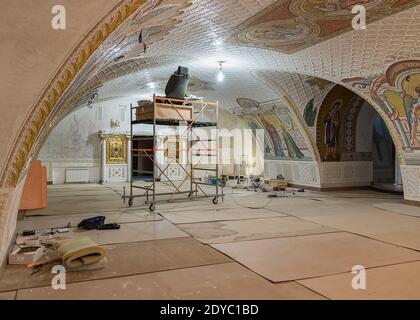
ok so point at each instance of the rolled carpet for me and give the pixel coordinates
(79, 252)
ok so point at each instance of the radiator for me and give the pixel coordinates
(77, 175)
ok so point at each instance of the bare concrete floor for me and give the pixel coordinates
(247, 247)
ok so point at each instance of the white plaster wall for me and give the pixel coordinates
(75, 142)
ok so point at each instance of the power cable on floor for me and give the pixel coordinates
(249, 207)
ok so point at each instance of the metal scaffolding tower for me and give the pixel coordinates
(187, 115)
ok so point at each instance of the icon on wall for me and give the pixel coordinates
(116, 149)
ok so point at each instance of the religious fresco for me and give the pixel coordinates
(336, 126)
(283, 139)
(150, 25)
(289, 26)
(398, 93)
(309, 113)
(116, 149)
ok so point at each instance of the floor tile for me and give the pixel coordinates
(223, 281)
(123, 260)
(252, 229)
(219, 215)
(40, 223)
(10, 295)
(296, 291)
(371, 222)
(284, 259)
(399, 208)
(131, 232)
(400, 281)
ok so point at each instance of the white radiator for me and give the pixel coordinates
(77, 175)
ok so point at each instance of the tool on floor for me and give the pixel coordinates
(28, 233)
(92, 223)
(62, 230)
(25, 254)
(109, 226)
(254, 183)
(97, 223)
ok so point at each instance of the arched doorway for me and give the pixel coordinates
(385, 164)
(350, 131)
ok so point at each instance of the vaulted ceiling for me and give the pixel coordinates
(308, 37)
(269, 48)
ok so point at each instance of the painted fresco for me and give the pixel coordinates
(282, 137)
(309, 113)
(336, 126)
(292, 25)
(398, 92)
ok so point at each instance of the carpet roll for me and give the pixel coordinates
(80, 252)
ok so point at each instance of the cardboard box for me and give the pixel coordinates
(163, 112)
(28, 241)
(276, 183)
(26, 255)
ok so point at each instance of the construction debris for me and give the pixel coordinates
(26, 254)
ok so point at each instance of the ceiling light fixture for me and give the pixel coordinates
(220, 74)
(151, 85)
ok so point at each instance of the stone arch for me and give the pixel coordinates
(294, 110)
(349, 103)
(379, 107)
(21, 154)
(365, 88)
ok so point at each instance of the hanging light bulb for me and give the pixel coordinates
(220, 75)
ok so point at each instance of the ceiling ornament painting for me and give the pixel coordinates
(153, 22)
(196, 84)
(289, 26)
(122, 52)
(248, 105)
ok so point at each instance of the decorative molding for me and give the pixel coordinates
(321, 174)
(117, 172)
(411, 182)
(44, 107)
(304, 173)
(345, 174)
